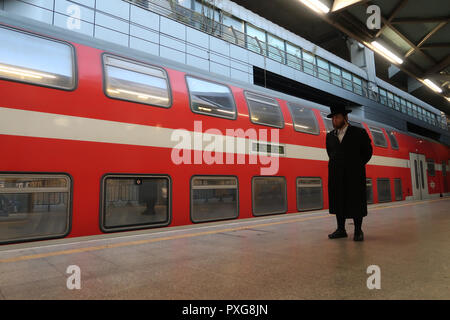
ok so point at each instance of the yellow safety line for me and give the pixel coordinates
(183, 236)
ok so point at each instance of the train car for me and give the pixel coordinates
(99, 138)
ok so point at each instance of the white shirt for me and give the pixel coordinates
(341, 132)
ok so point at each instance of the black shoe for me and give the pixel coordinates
(338, 234)
(358, 236)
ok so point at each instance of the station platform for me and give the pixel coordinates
(274, 257)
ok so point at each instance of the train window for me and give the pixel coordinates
(211, 98)
(304, 119)
(136, 82)
(135, 201)
(36, 60)
(378, 137)
(369, 190)
(431, 167)
(214, 198)
(269, 195)
(393, 139)
(34, 206)
(398, 189)
(356, 124)
(309, 194)
(328, 122)
(264, 110)
(384, 190)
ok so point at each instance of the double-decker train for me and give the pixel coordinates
(99, 138)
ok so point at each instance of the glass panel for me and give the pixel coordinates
(276, 43)
(214, 198)
(398, 189)
(32, 59)
(269, 195)
(397, 103)
(357, 85)
(133, 201)
(378, 137)
(234, 22)
(303, 118)
(211, 98)
(132, 81)
(384, 190)
(264, 110)
(323, 69)
(431, 167)
(409, 107)
(308, 63)
(347, 80)
(254, 32)
(293, 56)
(336, 75)
(393, 139)
(309, 194)
(403, 105)
(390, 99)
(33, 206)
(369, 191)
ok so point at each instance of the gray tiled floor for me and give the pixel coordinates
(269, 260)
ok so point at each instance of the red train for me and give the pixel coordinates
(99, 138)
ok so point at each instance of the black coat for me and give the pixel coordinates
(347, 172)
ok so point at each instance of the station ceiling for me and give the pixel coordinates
(418, 31)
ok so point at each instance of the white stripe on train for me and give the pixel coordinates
(48, 125)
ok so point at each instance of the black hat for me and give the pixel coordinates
(338, 109)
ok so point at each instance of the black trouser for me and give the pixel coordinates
(356, 221)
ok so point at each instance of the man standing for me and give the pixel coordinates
(349, 148)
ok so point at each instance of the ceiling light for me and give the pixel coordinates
(316, 5)
(432, 85)
(386, 53)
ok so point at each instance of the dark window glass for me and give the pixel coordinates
(135, 201)
(136, 82)
(269, 195)
(422, 173)
(304, 119)
(398, 189)
(211, 98)
(416, 174)
(431, 167)
(393, 139)
(214, 198)
(308, 63)
(378, 137)
(384, 190)
(328, 122)
(28, 58)
(33, 206)
(264, 110)
(369, 190)
(309, 194)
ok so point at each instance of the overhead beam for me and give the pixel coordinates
(441, 65)
(394, 12)
(435, 29)
(436, 45)
(420, 20)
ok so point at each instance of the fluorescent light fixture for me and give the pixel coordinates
(448, 99)
(432, 85)
(316, 5)
(386, 53)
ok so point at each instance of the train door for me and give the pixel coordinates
(418, 176)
